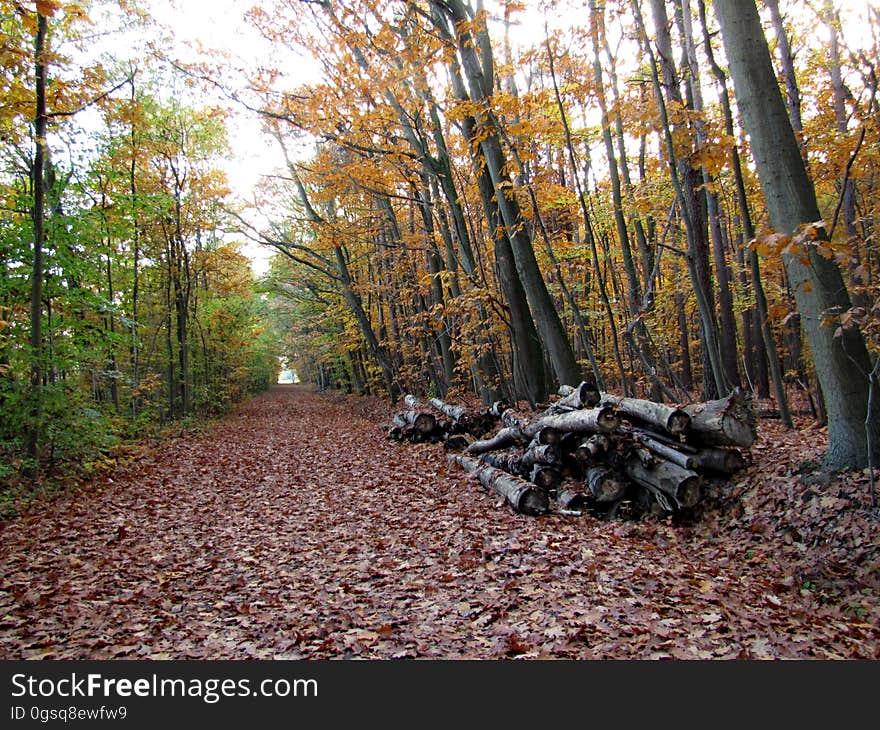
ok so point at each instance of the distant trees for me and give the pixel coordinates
(512, 221)
(474, 214)
(111, 245)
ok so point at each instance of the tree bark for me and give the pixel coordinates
(585, 395)
(594, 420)
(604, 484)
(546, 317)
(840, 356)
(672, 420)
(523, 496)
(681, 485)
(766, 355)
(724, 461)
(35, 394)
(727, 421)
(424, 423)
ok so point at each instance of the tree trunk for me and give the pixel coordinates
(35, 394)
(686, 182)
(786, 58)
(524, 334)
(766, 353)
(543, 310)
(840, 356)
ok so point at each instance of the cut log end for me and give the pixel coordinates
(604, 485)
(607, 419)
(548, 436)
(678, 422)
(533, 502)
(688, 493)
(546, 478)
(727, 421)
(458, 442)
(425, 422)
(570, 499)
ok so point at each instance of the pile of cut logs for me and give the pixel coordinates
(590, 450)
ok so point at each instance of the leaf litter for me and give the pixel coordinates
(293, 529)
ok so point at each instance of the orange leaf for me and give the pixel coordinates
(47, 8)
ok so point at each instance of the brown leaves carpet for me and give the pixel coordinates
(293, 529)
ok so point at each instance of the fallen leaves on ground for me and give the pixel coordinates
(293, 529)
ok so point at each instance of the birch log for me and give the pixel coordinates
(682, 485)
(523, 496)
(728, 421)
(672, 420)
(585, 395)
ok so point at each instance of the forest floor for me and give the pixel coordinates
(294, 529)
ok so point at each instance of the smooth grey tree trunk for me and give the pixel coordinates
(546, 317)
(841, 358)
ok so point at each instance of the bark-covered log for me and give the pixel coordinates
(508, 461)
(547, 478)
(412, 402)
(667, 452)
(723, 461)
(681, 485)
(548, 454)
(672, 420)
(548, 428)
(504, 438)
(409, 433)
(547, 436)
(572, 499)
(585, 395)
(511, 419)
(728, 421)
(523, 496)
(453, 412)
(423, 422)
(604, 484)
(593, 447)
(469, 421)
(544, 476)
(593, 420)
(645, 457)
(497, 408)
(652, 500)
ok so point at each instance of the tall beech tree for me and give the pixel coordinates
(843, 366)
(477, 62)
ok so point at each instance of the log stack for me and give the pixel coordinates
(591, 451)
(439, 422)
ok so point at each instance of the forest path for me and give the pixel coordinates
(294, 529)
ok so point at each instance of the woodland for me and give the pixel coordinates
(582, 299)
